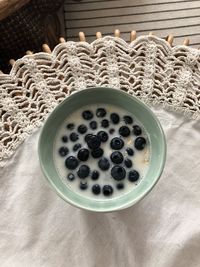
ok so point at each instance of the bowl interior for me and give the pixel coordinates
(125, 101)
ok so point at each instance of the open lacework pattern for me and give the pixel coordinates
(147, 68)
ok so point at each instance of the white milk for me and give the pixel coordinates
(140, 159)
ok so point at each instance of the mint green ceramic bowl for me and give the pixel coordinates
(125, 101)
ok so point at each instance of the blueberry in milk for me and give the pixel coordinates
(70, 126)
(73, 137)
(124, 131)
(76, 147)
(105, 123)
(116, 157)
(137, 130)
(116, 143)
(97, 153)
(82, 128)
(95, 175)
(71, 163)
(71, 176)
(133, 176)
(102, 152)
(103, 136)
(87, 137)
(128, 163)
(83, 185)
(128, 119)
(130, 151)
(83, 171)
(93, 125)
(140, 143)
(96, 189)
(87, 115)
(118, 173)
(120, 186)
(63, 151)
(107, 190)
(101, 112)
(64, 138)
(83, 154)
(111, 131)
(94, 142)
(114, 118)
(104, 164)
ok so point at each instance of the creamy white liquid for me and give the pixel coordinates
(140, 159)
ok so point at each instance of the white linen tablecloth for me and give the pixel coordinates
(38, 229)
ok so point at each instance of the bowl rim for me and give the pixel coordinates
(121, 206)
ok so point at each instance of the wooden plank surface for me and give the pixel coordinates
(178, 17)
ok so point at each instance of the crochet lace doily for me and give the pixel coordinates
(147, 68)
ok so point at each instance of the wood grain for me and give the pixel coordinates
(162, 17)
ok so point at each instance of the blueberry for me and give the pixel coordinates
(120, 186)
(118, 173)
(94, 142)
(140, 143)
(73, 137)
(93, 125)
(116, 157)
(124, 131)
(137, 130)
(97, 153)
(71, 163)
(63, 151)
(107, 190)
(82, 129)
(114, 118)
(128, 119)
(103, 136)
(128, 163)
(83, 154)
(105, 123)
(87, 137)
(111, 131)
(87, 115)
(95, 175)
(70, 176)
(83, 171)
(101, 112)
(96, 189)
(104, 164)
(116, 143)
(83, 185)
(64, 139)
(130, 151)
(133, 176)
(70, 126)
(76, 147)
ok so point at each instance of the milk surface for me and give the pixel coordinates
(140, 159)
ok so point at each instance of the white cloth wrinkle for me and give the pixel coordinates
(38, 229)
